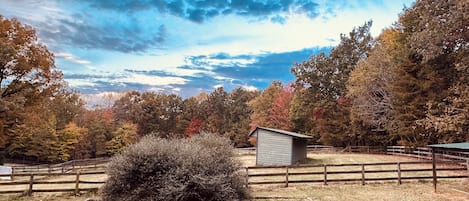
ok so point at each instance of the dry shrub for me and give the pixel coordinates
(199, 168)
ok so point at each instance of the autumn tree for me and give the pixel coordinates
(442, 40)
(27, 71)
(67, 140)
(427, 69)
(280, 111)
(125, 135)
(303, 113)
(217, 111)
(127, 108)
(195, 126)
(369, 91)
(325, 76)
(239, 116)
(262, 106)
(194, 114)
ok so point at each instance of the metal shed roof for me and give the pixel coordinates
(297, 135)
(460, 146)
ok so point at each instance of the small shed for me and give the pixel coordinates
(279, 147)
(458, 147)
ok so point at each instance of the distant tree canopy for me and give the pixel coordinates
(408, 86)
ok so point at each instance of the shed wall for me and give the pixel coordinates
(273, 149)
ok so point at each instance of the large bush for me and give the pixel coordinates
(200, 168)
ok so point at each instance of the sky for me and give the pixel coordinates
(191, 46)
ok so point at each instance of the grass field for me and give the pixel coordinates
(415, 191)
(455, 189)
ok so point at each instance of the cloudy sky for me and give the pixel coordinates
(190, 46)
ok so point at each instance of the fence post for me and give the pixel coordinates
(467, 167)
(399, 173)
(363, 174)
(12, 173)
(286, 177)
(247, 177)
(31, 182)
(325, 174)
(77, 183)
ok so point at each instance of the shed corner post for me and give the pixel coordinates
(434, 169)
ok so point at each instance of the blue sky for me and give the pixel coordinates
(190, 46)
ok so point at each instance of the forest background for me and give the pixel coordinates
(408, 86)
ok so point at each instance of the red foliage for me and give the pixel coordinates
(342, 101)
(194, 126)
(280, 111)
(318, 113)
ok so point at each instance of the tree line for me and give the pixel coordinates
(407, 86)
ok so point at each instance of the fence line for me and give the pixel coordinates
(426, 153)
(68, 166)
(416, 152)
(286, 174)
(33, 181)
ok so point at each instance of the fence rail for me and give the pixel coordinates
(426, 153)
(262, 175)
(32, 181)
(69, 166)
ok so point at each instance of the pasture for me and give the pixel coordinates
(448, 189)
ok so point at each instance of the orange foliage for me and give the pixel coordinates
(194, 126)
(253, 141)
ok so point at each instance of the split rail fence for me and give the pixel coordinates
(363, 173)
(72, 176)
(35, 180)
(426, 153)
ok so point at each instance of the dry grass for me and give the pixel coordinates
(415, 191)
(49, 197)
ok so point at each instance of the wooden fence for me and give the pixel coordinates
(363, 173)
(33, 180)
(45, 178)
(65, 167)
(426, 153)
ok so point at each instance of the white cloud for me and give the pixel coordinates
(249, 88)
(80, 83)
(151, 80)
(72, 58)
